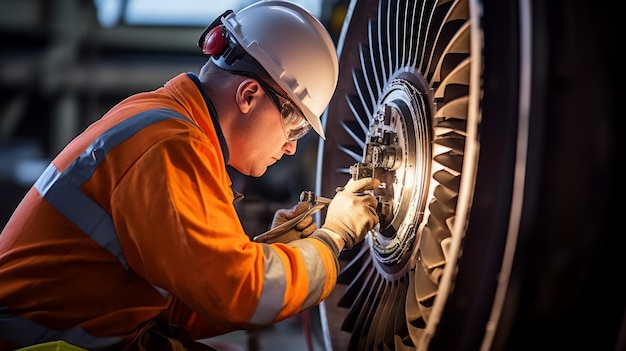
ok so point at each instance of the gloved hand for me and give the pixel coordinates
(352, 213)
(301, 230)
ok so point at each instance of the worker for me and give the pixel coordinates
(130, 239)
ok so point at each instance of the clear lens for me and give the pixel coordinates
(294, 123)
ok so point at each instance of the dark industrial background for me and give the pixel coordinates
(61, 69)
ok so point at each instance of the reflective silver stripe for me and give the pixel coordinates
(161, 291)
(315, 270)
(23, 332)
(274, 286)
(62, 190)
(85, 213)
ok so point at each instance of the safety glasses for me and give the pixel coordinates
(295, 125)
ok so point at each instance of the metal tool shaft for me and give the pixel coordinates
(309, 196)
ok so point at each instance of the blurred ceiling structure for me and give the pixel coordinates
(64, 63)
(78, 57)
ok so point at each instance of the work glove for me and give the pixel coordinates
(352, 212)
(301, 230)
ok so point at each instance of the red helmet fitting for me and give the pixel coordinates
(214, 42)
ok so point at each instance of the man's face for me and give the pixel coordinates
(261, 141)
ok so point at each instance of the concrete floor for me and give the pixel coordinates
(289, 335)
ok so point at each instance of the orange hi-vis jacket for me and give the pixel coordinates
(133, 224)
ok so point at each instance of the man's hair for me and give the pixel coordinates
(210, 72)
(213, 74)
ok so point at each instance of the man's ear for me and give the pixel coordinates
(248, 94)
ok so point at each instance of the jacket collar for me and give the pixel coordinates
(187, 90)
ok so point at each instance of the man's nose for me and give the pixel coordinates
(290, 147)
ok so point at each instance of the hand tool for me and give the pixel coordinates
(309, 196)
(316, 204)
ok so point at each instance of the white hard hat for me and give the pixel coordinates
(290, 44)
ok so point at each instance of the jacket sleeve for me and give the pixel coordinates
(182, 233)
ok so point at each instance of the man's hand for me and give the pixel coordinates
(352, 212)
(301, 230)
